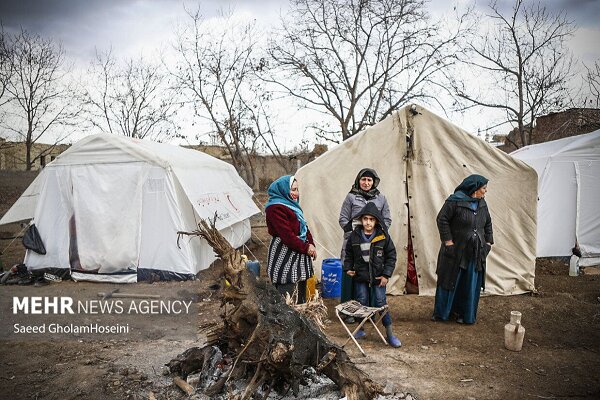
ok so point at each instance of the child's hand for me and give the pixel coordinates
(382, 280)
(351, 273)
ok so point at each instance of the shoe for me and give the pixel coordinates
(394, 341)
(436, 319)
(40, 282)
(51, 277)
(5, 276)
(460, 320)
(360, 334)
(349, 320)
(25, 281)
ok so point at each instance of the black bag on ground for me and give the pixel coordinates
(33, 241)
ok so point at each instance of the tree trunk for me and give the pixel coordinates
(28, 146)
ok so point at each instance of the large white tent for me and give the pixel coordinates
(569, 195)
(417, 175)
(109, 209)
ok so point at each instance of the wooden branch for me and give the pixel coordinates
(183, 385)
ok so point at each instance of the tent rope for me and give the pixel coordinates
(257, 238)
(250, 251)
(15, 238)
(325, 248)
(262, 207)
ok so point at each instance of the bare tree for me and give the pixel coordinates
(357, 61)
(216, 70)
(592, 79)
(521, 65)
(5, 65)
(133, 99)
(5, 75)
(39, 94)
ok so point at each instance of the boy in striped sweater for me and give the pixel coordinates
(371, 259)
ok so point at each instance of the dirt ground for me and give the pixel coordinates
(560, 357)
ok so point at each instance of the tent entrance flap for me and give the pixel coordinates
(411, 285)
(562, 224)
(588, 208)
(107, 213)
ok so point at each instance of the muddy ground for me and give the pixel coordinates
(560, 358)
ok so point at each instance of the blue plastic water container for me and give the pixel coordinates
(253, 267)
(331, 277)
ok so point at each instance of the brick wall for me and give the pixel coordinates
(572, 122)
(575, 121)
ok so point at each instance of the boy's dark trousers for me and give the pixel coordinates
(372, 297)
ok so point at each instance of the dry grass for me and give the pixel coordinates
(314, 308)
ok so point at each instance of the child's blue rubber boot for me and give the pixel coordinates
(394, 341)
(360, 334)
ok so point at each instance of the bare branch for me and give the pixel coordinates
(593, 81)
(358, 61)
(217, 70)
(525, 59)
(132, 98)
(39, 95)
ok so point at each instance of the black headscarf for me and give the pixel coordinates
(467, 187)
(356, 187)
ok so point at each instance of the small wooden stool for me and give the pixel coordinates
(354, 309)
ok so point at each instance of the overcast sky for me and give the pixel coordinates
(135, 27)
(129, 26)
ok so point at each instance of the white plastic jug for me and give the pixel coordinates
(514, 332)
(574, 266)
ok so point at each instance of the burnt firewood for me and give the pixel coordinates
(270, 342)
(195, 359)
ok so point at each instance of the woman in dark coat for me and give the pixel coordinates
(465, 227)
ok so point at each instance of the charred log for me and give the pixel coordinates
(265, 341)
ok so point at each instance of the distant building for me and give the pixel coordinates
(13, 155)
(557, 125)
(572, 122)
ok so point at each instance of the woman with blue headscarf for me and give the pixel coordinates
(292, 249)
(465, 227)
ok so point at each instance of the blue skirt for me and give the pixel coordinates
(463, 299)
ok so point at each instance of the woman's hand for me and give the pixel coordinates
(488, 248)
(449, 243)
(312, 251)
(351, 273)
(382, 280)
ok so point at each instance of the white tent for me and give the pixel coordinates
(109, 209)
(416, 179)
(569, 195)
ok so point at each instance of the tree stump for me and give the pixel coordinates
(265, 340)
